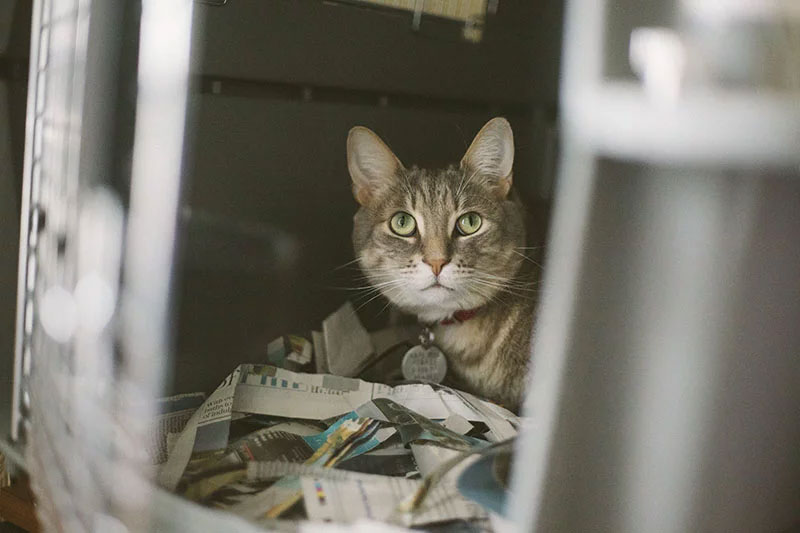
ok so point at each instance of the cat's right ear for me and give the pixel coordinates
(492, 154)
(371, 163)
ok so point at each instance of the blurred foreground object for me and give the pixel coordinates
(104, 140)
(665, 369)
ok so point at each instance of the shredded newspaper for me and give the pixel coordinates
(280, 448)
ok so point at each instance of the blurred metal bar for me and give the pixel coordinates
(665, 372)
(163, 81)
(23, 295)
(84, 403)
(552, 330)
(618, 119)
(155, 188)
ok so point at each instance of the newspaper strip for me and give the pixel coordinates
(283, 441)
(269, 444)
(495, 417)
(211, 421)
(342, 496)
(257, 506)
(272, 391)
(349, 437)
(378, 497)
(393, 460)
(174, 413)
(266, 470)
(329, 453)
(414, 427)
(267, 390)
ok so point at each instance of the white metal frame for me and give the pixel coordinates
(707, 127)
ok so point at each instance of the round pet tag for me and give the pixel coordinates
(422, 363)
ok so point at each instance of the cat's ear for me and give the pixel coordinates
(492, 154)
(371, 163)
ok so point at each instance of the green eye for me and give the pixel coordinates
(403, 224)
(468, 224)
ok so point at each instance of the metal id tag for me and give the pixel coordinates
(424, 362)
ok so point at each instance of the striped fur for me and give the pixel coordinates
(486, 271)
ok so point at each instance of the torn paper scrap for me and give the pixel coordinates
(428, 457)
(209, 425)
(457, 423)
(320, 353)
(347, 342)
(173, 414)
(414, 427)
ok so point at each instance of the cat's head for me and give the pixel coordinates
(437, 242)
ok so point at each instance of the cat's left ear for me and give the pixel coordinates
(492, 154)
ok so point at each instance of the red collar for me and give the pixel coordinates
(459, 316)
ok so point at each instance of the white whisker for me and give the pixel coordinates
(397, 284)
(346, 264)
(527, 258)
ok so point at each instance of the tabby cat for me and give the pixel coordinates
(448, 247)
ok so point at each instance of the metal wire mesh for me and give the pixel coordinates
(85, 379)
(70, 232)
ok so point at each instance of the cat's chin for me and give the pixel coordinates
(434, 305)
(429, 314)
(427, 306)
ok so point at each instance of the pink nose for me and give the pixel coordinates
(436, 265)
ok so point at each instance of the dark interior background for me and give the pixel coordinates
(267, 205)
(278, 85)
